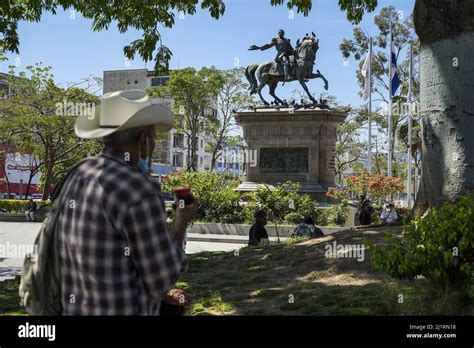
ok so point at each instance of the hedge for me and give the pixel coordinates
(19, 205)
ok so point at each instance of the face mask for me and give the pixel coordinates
(143, 163)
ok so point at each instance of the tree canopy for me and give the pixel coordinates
(143, 15)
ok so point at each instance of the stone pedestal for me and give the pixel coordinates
(290, 144)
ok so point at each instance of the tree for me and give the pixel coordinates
(194, 94)
(232, 96)
(349, 147)
(38, 117)
(403, 35)
(145, 16)
(279, 201)
(444, 27)
(446, 30)
(375, 186)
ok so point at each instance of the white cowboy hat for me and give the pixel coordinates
(124, 110)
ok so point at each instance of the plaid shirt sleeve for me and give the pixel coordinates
(158, 259)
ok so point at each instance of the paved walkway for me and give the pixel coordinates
(21, 235)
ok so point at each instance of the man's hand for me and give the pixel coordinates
(178, 297)
(253, 48)
(182, 218)
(185, 214)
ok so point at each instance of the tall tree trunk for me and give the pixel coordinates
(49, 163)
(446, 32)
(215, 157)
(7, 181)
(32, 174)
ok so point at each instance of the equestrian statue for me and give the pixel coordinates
(290, 64)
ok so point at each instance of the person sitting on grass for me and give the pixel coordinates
(389, 215)
(31, 209)
(307, 229)
(258, 233)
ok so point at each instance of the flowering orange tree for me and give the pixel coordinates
(376, 186)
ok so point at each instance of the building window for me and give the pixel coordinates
(177, 160)
(181, 122)
(202, 144)
(159, 81)
(200, 161)
(178, 140)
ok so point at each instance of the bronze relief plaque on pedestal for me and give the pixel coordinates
(283, 160)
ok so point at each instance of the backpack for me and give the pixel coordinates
(40, 285)
(305, 230)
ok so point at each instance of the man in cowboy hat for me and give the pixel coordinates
(116, 255)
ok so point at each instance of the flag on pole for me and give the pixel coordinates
(395, 81)
(411, 73)
(366, 73)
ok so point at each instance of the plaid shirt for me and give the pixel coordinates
(115, 252)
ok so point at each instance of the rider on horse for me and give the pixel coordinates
(285, 52)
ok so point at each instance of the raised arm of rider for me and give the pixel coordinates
(267, 46)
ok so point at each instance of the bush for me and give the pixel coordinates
(19, 205)
(283, 203)
(218, 202)
(304, 206)
(439, 247)
(337, 214)
(278, 201)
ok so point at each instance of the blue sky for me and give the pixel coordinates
(74, 51)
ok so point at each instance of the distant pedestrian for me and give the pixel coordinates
(389, 215)
(365, 211)
(32, 207)
(258, 233)
(307, 229)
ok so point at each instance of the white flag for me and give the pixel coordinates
(365, 73)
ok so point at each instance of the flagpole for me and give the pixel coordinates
(369, 143)
(410, 111)
(389, 163)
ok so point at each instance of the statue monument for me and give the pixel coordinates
(289, 65)
(289, 140)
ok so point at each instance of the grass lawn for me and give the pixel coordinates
(9, 299)
(293, 278)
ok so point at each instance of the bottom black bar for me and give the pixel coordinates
(237, 330)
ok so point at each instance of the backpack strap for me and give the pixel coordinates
(59, 186)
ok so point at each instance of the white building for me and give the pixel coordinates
(231, 159)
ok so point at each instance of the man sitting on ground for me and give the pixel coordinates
(389, 215)
(307, 229)
(258, 233)
(31, 209)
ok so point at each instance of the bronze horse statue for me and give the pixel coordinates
(268, 73)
